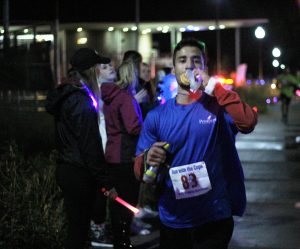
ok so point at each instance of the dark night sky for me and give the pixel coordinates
(283, 29)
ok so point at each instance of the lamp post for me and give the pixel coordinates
(56, 44)
(218, 37)
(260, 34)
(6, 39)
(137, 23)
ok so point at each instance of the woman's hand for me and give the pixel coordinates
(112, 193)
(141, 96)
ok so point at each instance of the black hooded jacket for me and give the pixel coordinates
(76, 127)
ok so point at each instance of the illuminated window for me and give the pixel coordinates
(146, 31)
(82, 40)
(190, 27)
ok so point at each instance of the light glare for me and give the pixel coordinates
(275, 63)
(82, 40)
(276, 52)
(259, 33)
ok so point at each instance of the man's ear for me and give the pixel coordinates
(173, 70)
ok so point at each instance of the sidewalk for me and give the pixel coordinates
(271, 160)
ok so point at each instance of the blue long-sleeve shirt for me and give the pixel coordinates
(201, 131)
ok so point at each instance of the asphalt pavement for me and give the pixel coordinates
(271, 160)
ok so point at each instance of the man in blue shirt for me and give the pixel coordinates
(200, 176)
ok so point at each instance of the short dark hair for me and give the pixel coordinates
(190, 42)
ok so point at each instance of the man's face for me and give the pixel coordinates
(188, 58)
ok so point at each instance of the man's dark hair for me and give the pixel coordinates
(190, 42)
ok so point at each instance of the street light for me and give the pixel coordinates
(218, 34)
(276, 52)
(275, 63)
(282, 66)
(260, 34)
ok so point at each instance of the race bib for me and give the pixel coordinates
(190, 180)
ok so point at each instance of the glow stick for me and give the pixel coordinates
(124, 203)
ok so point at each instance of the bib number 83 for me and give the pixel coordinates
(189, 180)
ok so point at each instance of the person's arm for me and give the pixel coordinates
(244, 117)
(148, 146)
(89, 142)
(154, 156)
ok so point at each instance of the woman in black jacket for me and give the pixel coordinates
(81, 169)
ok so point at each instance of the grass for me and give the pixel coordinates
(31, 204)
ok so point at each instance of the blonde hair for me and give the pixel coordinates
(89, 77)
(127, 75)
